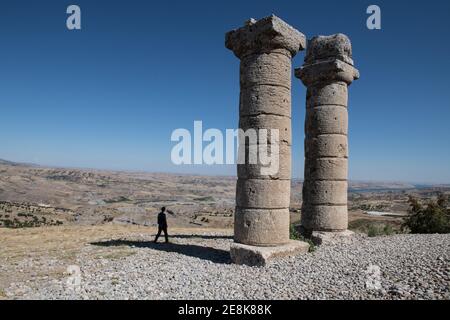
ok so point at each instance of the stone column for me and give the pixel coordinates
(265, 48)
(327, 72)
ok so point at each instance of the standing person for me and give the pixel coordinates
(162, 225)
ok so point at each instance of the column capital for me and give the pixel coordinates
(328, 59)
(264, 35)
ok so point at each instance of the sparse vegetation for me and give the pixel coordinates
(432, 218)
(379, 229)
(372, 207)
(295, 235)
(24, 214)
(108, 219)
(27, 215)
(27, 221)
(206, 199)
(374, 228)
(118, 199)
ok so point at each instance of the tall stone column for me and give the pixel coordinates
(265, 48)
(327, 72)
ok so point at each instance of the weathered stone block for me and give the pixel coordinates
(326, 146)
(336, 46)
(258, 100)
(326, 72)
(253, 171)
(269, 194)
(326, 169)
(335, 93)
(261, 227)
(269, 122)
(333, 237)
(264, 35)
(327, 119)
(324, 217)
(262, 256)
(321, 192)
(272, 68)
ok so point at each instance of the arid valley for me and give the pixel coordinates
(104, 222)
(41, 196)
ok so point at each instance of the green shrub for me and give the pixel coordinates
(374, 228)
(380, 229)
(208, 198)
(388, 230)
(295, 235)
(434, 218)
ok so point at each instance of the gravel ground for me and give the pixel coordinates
(198, 267)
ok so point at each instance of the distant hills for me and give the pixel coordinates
(8, 163)
(16, 164)
(354, 185)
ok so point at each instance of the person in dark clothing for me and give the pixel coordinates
(162, 225)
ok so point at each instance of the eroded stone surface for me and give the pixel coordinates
(332, 238)
(269, 122)
(327, 72)
(263, 35)
(258, 226)
(326, 192)
(326, 218)
(335, 93)
(326, 145)
(265, 48)
(261, 256)
(328, 119)
(265, 99)
(263, 193)
(253, 171)
(336, 46)
(327, 168)
(271, 68)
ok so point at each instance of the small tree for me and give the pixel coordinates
(434, 218)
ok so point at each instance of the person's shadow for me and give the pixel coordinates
(204, 253)
(201, 236)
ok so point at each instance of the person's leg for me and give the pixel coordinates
(166, 234)
(158, 234)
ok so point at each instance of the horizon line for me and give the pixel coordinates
(47, 166)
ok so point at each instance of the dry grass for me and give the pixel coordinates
(65, 241)
(63, 244)
(2, 294)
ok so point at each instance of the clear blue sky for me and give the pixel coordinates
(110, 95)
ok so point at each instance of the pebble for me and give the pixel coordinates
(200, 268)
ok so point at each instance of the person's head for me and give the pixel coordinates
(163, 209)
